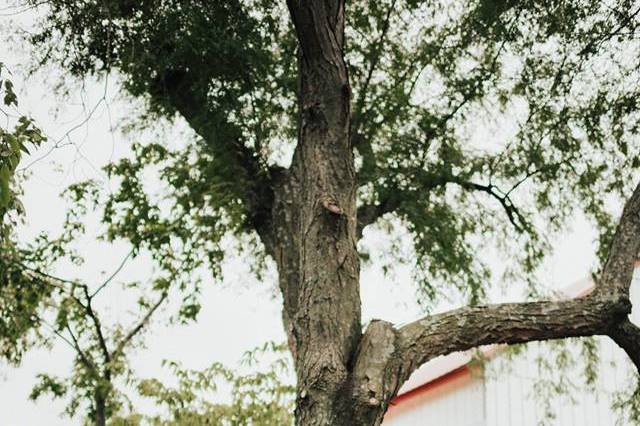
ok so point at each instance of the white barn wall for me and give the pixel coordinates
(457, 402)
(511, 395)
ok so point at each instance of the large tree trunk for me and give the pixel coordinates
(315, 224)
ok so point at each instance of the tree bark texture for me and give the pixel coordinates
(345, 376)
(315, 210)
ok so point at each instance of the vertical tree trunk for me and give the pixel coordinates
(100, 411)
(315, 223)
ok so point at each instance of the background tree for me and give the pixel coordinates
(471, 124)
(38, 307)
(259, 398)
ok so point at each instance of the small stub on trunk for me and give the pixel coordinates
(329, 203)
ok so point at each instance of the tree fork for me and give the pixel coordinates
(345, 377)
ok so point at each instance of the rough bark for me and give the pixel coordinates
(627, 336)
(318, 257)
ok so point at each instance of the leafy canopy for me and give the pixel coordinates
(477, 123)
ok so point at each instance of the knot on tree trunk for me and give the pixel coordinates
(330, 203)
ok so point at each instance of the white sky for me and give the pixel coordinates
(236, 316)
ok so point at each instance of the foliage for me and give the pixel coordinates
(431, 81)
(13, 142)
(37, 306)
(259, 398)
(69, 312)
(19, 293)
(627, 404)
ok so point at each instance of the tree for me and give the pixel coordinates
(258, 398)
(317, 119)
(36, 306)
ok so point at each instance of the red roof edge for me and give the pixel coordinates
(438, 381)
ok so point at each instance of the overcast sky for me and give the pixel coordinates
(237, 315)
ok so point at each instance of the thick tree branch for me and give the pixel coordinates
(603, 312)
(509, 323)
(243, 165)
(625, 247)
(369, 213)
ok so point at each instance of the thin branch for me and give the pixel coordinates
(138, 327)
(113, 275)
(607, 36)
(70, 343)
(85, 359)
(48, 277)
(515, 217)
(97, 326)
(73, 343)
(369, 213)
